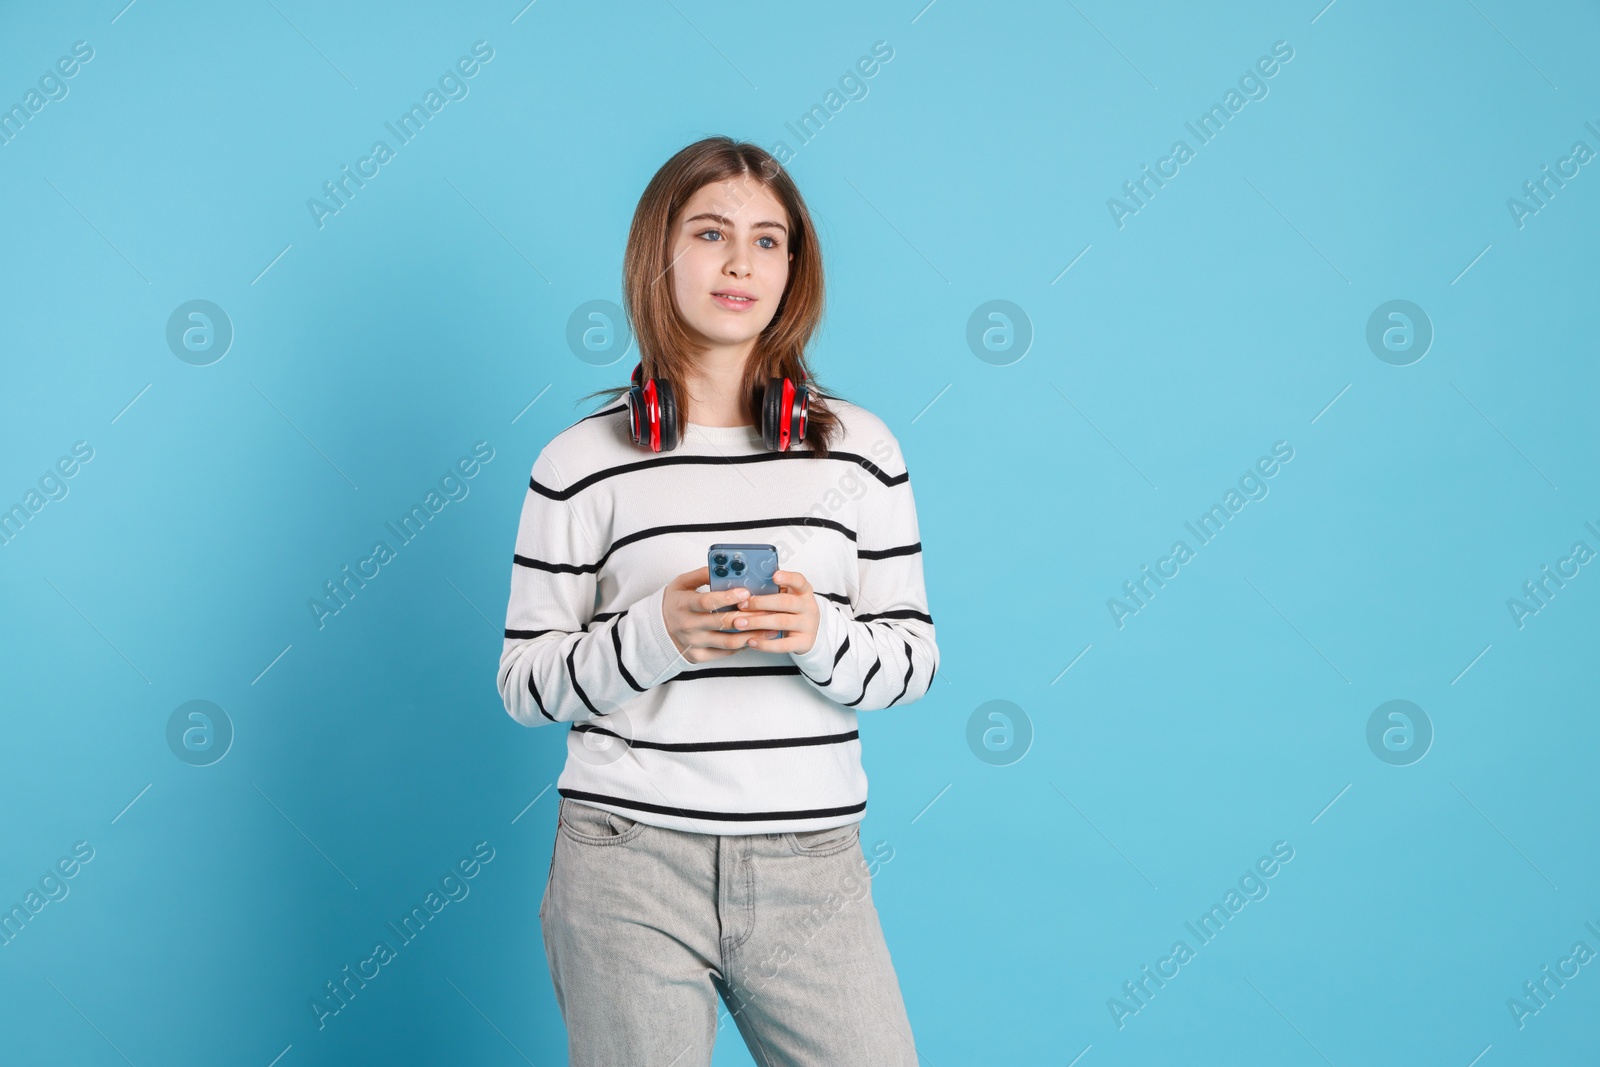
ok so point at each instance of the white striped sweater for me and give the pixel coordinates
(755, 742)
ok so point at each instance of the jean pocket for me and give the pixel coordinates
(550, 876)
(824, 842)
(596, 826)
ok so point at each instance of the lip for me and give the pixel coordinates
(721, 296)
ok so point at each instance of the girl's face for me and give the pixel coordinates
(731, 242)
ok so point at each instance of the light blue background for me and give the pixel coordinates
(1228, 314)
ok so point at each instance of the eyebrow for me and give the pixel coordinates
(724, 220)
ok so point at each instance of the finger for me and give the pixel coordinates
(766, 641)
(692, 579)
(712, 638)
(774, 602)
(714, 621)
(752, 621)
(732, 642)
(794, 579)
(710, 602)
(734, 628)
(727, 619)
(708, 655)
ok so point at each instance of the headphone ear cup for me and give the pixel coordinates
(638, 422)
(771, 417)
(637, 430)
(669, 414)
(774, 415)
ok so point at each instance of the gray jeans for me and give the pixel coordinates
(645, 927)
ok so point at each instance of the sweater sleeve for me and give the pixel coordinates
(880, 651)
(561, 662)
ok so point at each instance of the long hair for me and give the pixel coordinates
(665, 347)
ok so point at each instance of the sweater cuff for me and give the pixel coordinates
(817, 662)
(660, 656)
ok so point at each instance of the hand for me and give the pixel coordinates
(691, 619)
(793, 611)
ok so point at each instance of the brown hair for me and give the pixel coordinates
(665, 346)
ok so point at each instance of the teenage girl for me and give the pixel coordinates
(708, 832)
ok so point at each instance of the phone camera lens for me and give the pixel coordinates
(720, 559)
(738, 565)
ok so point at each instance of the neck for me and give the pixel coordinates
(713, 386)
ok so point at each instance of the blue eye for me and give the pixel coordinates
(772, 241)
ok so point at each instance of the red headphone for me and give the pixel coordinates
(653, 412)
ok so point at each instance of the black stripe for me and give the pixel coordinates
(834, 666)
(524, 635)
(910, 666)
(723, 746)
(734, 524)
(865, 682)
(668, 458)
(839, 598)
(885, 553)
(616, 643)
(728, 524)
(889, 480)
(535, 691)
(686, 527)
(897, 613)
(572, 672)
(681, 676)
(720, 816)
(554, 568)
(733, 672)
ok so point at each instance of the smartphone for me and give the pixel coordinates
(744, 565)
